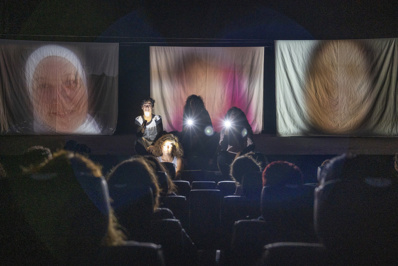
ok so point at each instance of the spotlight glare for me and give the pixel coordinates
(190, 122)
(227, 124)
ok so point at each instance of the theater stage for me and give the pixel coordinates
(267, 144)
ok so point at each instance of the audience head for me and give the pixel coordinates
(280, 173)
(168, 144)
(356, 205)
(65, 201)
(242, 165)
(166, 184)
(35, 155)
(129, 176)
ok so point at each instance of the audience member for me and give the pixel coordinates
(356, 209)
(280, 173)
(246, 167)
(134, 190)
(236, 138)
(149, 127)
(167, 187)
(35, 155)
(59, 213)
(168, 149)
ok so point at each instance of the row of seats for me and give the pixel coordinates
(209, 215)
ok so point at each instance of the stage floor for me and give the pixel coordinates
(267, 144)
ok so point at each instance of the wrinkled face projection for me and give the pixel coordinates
(59, 96)
(338, 87)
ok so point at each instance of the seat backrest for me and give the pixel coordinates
(183, 187)
(227, 187)
(252, 185)
(192, 175)
(247, 242)
(234, 208)
(203, 185)
(288, 206)
(179, 206)
(171, 170)
(131, 253)
(300, 253)
(135, 214)
(204, 216)
(169, 234)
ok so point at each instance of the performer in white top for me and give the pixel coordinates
(149, 127)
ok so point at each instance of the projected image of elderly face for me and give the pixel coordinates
(338, 87)
(59, 95)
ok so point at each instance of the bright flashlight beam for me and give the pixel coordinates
(227, 123)
(190, 122)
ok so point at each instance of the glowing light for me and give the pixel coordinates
(244, 132)
(227, 124)
(209, 131)
(147, 113)
(190, 122)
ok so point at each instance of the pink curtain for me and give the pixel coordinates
(224, 77)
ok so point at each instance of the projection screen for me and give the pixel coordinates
(223, 76)
(337, 87)
(58, 88)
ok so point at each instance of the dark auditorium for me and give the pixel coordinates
(207, 133)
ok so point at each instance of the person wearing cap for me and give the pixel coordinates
(57, 86)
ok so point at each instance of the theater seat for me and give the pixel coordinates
(227, 187)
(289, 208)
(192, 175)
(132, 253)
(203, 185)
(234, 208)
(170, 169)
(297, 253)
(183, 187)
(179, 206)
(204, 221)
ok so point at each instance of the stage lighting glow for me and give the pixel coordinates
(209, 131)
(190, 122)
(244, 132)
(227, 124)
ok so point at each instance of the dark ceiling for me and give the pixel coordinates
(332, 19)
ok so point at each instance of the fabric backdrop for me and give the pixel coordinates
(100, 64)
(337, 87)
(223, 77)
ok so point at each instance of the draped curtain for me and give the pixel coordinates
(99, 63)
(337, 87)
(223, 76)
